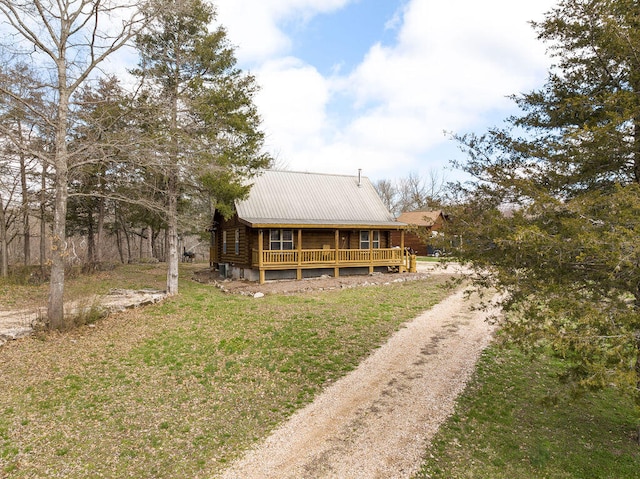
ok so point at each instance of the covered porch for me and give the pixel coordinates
(328, 257)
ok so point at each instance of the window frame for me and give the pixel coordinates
(278, 238)
(365, 242)
(372, 240)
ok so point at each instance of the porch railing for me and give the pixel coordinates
(327, 257)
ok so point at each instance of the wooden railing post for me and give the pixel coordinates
(370, 252)
(402, 266)
(260, 256)
(336, 268)
(299, 254)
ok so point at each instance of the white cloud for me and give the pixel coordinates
(292, 104)
(451, 68)
(255, 25)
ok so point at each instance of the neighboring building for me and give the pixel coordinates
(422, 226)
(297, 225)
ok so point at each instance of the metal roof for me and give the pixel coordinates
(295, 198)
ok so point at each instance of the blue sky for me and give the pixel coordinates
(374, 84)
(341, 39)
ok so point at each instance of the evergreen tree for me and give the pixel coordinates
(554, 211)
(205, 133)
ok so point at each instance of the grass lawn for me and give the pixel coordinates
(181, 388)
(515, 420)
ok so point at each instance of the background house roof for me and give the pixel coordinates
(420, 218)
(294, 198)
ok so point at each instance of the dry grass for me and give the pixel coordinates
(179, 389)
(17, 293)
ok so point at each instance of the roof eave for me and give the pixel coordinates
(289, 224)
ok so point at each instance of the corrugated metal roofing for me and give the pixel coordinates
(287, 197)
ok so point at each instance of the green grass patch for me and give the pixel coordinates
(429, 259)
(516, 420)
(181, 388)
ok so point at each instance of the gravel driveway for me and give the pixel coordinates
(377, 421)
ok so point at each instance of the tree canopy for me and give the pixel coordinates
(553, 212)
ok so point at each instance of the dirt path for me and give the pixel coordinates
(17, 324)
(377, 421)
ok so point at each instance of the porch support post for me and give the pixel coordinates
(402, 268)
(299, 254)
(260, 257)
(336, 268)
(370, 252)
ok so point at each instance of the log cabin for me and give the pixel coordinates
(421, 225)
(298, 225)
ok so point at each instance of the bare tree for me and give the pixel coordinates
(20, 131)
(69, 39)
(388, 193)
(9, 184)
(435, 188)
(413, 193)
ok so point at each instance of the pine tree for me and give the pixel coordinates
(205, 135)
(554, 210)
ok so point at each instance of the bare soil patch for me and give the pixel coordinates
(311, 284)
(425, 270)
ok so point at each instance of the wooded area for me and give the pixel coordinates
(95, 167)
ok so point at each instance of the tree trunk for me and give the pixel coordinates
(91, 240)
(126, 237)
(4, 253)
(55, 310)
(637, 369)
(100, 230)
(43, 224)
(172, 234)
(149, 239)
(25, 206)
(172, 195)
(119, 244)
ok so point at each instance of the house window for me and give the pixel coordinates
(237, 242)
(224, 242)
(369, 239)
(280, 239)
